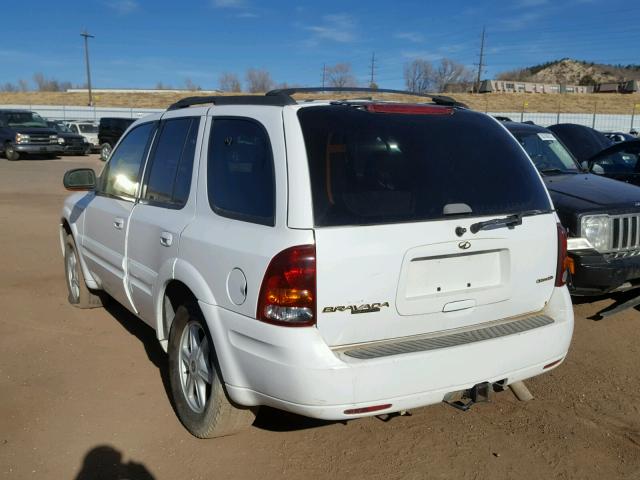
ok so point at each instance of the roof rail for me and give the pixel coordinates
(276, 100)
(437, 99)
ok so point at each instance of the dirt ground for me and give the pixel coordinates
(83, 394)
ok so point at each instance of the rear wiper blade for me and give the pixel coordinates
(510, 222)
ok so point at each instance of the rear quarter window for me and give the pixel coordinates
(375, 168)
(240, 178)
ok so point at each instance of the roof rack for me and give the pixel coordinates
(271, 100)
(282, 97)
(437, 99)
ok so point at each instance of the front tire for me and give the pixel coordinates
(105, 151)
(11, 153)
(79, 294)
(197, 387)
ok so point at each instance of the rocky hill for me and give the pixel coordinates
(569, 71)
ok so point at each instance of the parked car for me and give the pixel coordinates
(24, 133)
(109, 132)
(88, 130)
(71, 143)
(583, 142)
(619, 161)
(618, 137)
(331, 259)
(602, 216)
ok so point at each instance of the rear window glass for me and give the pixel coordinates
(374, 168)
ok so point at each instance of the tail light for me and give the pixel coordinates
(564, 261)
(288, 292)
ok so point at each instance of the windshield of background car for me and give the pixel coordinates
(619, 161)
(87, 128)
(24, 119)
(547, 153)
(375, 168)
(58, 127)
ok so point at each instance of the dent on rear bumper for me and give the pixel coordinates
(294, 370)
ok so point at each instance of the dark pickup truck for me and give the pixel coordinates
(602, 215)
(24, 133)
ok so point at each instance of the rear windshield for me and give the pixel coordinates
(375, 168)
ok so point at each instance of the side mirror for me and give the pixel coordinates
(79, 179)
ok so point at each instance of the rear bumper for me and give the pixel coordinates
(595, 274)
(71, 149)
(37, 149)
(293, 369)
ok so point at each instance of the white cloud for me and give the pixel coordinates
(414, 37)
(122, 7)
(336, 28)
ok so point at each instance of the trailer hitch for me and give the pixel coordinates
(477, 394)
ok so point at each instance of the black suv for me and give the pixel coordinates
(601, 215)
(25, 133)
(71, 143)
(109, 132)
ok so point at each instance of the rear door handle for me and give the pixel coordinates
(118, 223)
(166, 239)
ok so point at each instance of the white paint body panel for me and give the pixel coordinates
(223, 262)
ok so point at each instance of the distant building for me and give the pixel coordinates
(510, 86)
(631, 86)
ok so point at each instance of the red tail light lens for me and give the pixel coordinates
(564, 261)
(288, 292)
(409, 109)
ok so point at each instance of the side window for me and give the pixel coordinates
(121, 175)
(169, 179)
(74, 128)
(240, 179)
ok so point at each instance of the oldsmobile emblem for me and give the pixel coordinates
(464, 245)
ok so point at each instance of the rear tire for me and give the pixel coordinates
(11, 153)
(105, 151)
(79, 294)
(197, 387)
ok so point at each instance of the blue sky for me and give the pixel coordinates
(139, 43)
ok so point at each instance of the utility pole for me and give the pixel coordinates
(373, 70)
(324, 74)
(86, 36)
(480, 63)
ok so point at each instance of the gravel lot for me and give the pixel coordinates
(83, 394)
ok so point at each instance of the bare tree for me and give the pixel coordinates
(8, 87)
(189, 85)
(162, 86)
(418, 76)
(44, 84)
(23, 85)
(258, 80)
(450, 76)
(340, 75)
(228, 82)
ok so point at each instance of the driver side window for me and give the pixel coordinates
(121, 175)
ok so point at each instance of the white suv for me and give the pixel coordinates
(335, 259)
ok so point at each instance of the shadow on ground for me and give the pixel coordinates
(105, 463)
(620, 302)
(269, 419)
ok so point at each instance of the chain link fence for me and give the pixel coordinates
(603, 122)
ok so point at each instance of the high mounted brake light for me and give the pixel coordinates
(288, 292)
(409, 109)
